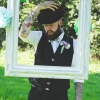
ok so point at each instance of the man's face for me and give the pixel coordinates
(52, 31)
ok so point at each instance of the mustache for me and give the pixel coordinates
(49, 31)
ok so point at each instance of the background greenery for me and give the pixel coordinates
(71, 15)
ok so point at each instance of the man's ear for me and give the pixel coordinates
(60, 22)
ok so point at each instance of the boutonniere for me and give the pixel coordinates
(65, 45)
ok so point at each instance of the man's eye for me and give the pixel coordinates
(51, 24)
(45, 25)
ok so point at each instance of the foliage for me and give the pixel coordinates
(2, 30)
(2, 36)
(95, 35)
(95, 46)
(71, 8)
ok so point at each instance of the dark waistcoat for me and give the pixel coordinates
(45, 56)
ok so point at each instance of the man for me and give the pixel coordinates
(48, 51)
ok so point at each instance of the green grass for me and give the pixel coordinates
(91, 90)
(13, 88)
(17, 88)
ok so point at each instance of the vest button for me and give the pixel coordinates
(53, 59)
(46, 88)
(48, 83)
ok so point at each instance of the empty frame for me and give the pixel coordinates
(79, 68)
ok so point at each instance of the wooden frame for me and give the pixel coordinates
(79, 69)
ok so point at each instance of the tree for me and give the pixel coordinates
(95, 34)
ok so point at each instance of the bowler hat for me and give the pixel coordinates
(48, 16)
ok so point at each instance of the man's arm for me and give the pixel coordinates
(78, 90)
(27, 24)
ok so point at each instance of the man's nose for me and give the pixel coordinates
(49, 27)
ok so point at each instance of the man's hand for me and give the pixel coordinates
(26, 26)
(48, 4)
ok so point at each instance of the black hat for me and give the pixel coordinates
(48, 16)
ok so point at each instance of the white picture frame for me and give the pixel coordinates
(79, 70)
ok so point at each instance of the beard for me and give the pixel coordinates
(54, 35)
